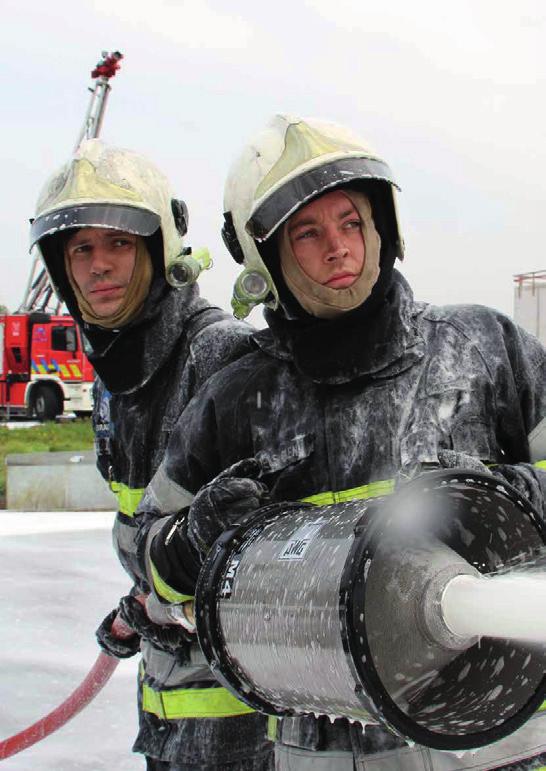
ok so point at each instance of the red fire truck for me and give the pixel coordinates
(43, 367)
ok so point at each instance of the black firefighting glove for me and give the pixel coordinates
(168, 637)
(179, 548)
(455, 459)
(111, 643)
(219, 504)
(529, 482)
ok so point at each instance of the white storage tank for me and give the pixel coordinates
(530, 302)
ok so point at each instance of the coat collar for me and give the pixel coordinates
(333, 352)
(126, 360)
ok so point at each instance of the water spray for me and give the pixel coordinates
(376, 610)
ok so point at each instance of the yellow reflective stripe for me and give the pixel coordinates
(540, 464)
(371, 490)
(64, 370)
(128, 497)
(192, 702)
(320, 499)
(164, 590)
(76, 371)
(272, 723)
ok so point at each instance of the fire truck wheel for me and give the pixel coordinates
(47, 404)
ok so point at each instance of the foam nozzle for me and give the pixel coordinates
(251, 289)
(187, 268)
(389, 610)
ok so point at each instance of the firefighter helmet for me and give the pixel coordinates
(285, 166)
(103, 186)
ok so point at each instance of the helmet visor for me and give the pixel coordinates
(279, 206)
(118, 217)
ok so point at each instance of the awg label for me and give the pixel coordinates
(298, 544)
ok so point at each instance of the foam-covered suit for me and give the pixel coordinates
(335, 409)
(147, 372)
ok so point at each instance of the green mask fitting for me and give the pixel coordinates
(251, 288)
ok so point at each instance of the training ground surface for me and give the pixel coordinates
(59, 577)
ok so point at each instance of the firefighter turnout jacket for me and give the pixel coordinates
(338, 414)
(137, 401)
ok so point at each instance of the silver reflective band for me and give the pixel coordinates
(130, 219)
(286, 199)
(537, 442)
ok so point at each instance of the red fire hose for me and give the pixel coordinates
(94, 681)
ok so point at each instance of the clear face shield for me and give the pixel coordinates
(129, 219)
(46, 243)
(280, 205)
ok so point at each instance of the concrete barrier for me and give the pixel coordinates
(56, 481)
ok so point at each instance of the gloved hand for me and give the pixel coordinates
(455, 459)
(167, 637)
(115, 643)
(528, 481)
(219, 504)
(131, 612)
(179, 547)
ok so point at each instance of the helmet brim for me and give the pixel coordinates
(130, 219)
(290, 196)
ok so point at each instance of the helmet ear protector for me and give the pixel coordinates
(229, 237)
(180, 215)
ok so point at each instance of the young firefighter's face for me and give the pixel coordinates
(327, 242)
(102, 261)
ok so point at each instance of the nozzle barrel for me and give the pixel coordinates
(503, 606)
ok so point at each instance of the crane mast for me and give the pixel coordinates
(39, 294)
(103, 72)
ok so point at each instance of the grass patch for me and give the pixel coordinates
(47, 437)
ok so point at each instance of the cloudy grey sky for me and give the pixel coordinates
(451, 94)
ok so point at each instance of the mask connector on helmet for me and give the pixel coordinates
(251, 288)
(187, 268)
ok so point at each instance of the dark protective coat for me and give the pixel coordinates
(330, 415)
(149, 373)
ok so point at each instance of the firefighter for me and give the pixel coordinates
(352, 384)
(108, 229)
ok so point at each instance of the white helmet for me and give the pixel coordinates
(109, 187)
(289, 163)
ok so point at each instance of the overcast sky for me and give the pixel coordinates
(451, 95)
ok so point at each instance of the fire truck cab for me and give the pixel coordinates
(43, 367)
